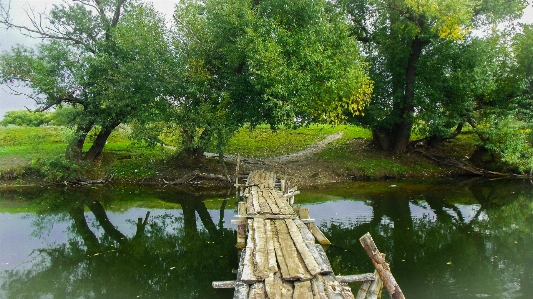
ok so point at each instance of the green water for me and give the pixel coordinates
(443, 240)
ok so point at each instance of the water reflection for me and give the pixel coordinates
(443, 241)
(163, 255)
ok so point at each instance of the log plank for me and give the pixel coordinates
(300, 244)
(257, 291)
(271, 251)
(290, 253)
(248, 275)
(302, 290)
(260, 249)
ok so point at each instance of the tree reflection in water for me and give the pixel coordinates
(466, 240)
(166, 256)
(473, 240)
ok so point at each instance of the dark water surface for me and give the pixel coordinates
(444, 240)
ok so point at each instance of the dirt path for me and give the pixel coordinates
(294, 157)
(310, 150)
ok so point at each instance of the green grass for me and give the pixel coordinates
(21, 147)
(262, 142)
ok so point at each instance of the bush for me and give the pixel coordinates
(59, 169)
(513, 141)
(26, 118)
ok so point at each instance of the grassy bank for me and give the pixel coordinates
(29, 155)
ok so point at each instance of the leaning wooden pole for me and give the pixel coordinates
(382, 267)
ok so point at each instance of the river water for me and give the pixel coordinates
(447, 239)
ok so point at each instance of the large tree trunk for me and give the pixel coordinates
(403, 129)
(396, 138)
(192, 145)
(99, 143)
(75, 147)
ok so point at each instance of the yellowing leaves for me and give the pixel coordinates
(449, 18)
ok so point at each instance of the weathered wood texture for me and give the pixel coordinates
(381, 267)
(281, 258)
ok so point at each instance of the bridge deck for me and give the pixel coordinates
(281, 258)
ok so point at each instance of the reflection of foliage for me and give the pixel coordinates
(449, 251)
(164, 256)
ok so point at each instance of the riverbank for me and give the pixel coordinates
(307, 156)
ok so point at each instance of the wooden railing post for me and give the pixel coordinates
(382, 267)
(241, 227)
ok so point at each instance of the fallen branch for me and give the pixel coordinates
(188, 178)
(460, 164)
(85, 182)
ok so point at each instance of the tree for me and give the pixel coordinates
(503, 120)
(109, 58)
(266, 62)
(409, 44)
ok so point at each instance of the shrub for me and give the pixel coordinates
(59, 169)
(26, 118)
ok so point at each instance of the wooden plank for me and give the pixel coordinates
(271, 216)
(250, 210)
(382, 267)
(284, 268)
(318, 285)
(302, 290)
(242, 256)
(273, 286)
(346, 292)
(248, 275)
(229, 284)
(300, 244)
(287, 289)
(320, 257)
(271, 252)
(306, 233)
(374, 291)
(241, 290)
(363, 290)
(255, 199)
(353, 278)
(262, 200)
(290, 253)
(332, 288)
(284, 207)
(320, 237)
(260, 249)
(314, 289)
(272, 203)
(307, 275)
(257, 291)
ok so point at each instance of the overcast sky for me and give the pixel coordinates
(11, 37)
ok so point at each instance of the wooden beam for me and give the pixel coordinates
(230, 284)
(382, 267)
(354, 278)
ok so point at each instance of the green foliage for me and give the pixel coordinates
(427, 65)
(26, 118)
(65, 115)
(109, 60)
(266, 62)
(511, 139)
(58, 169)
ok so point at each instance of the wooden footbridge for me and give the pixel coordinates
(280, 256)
